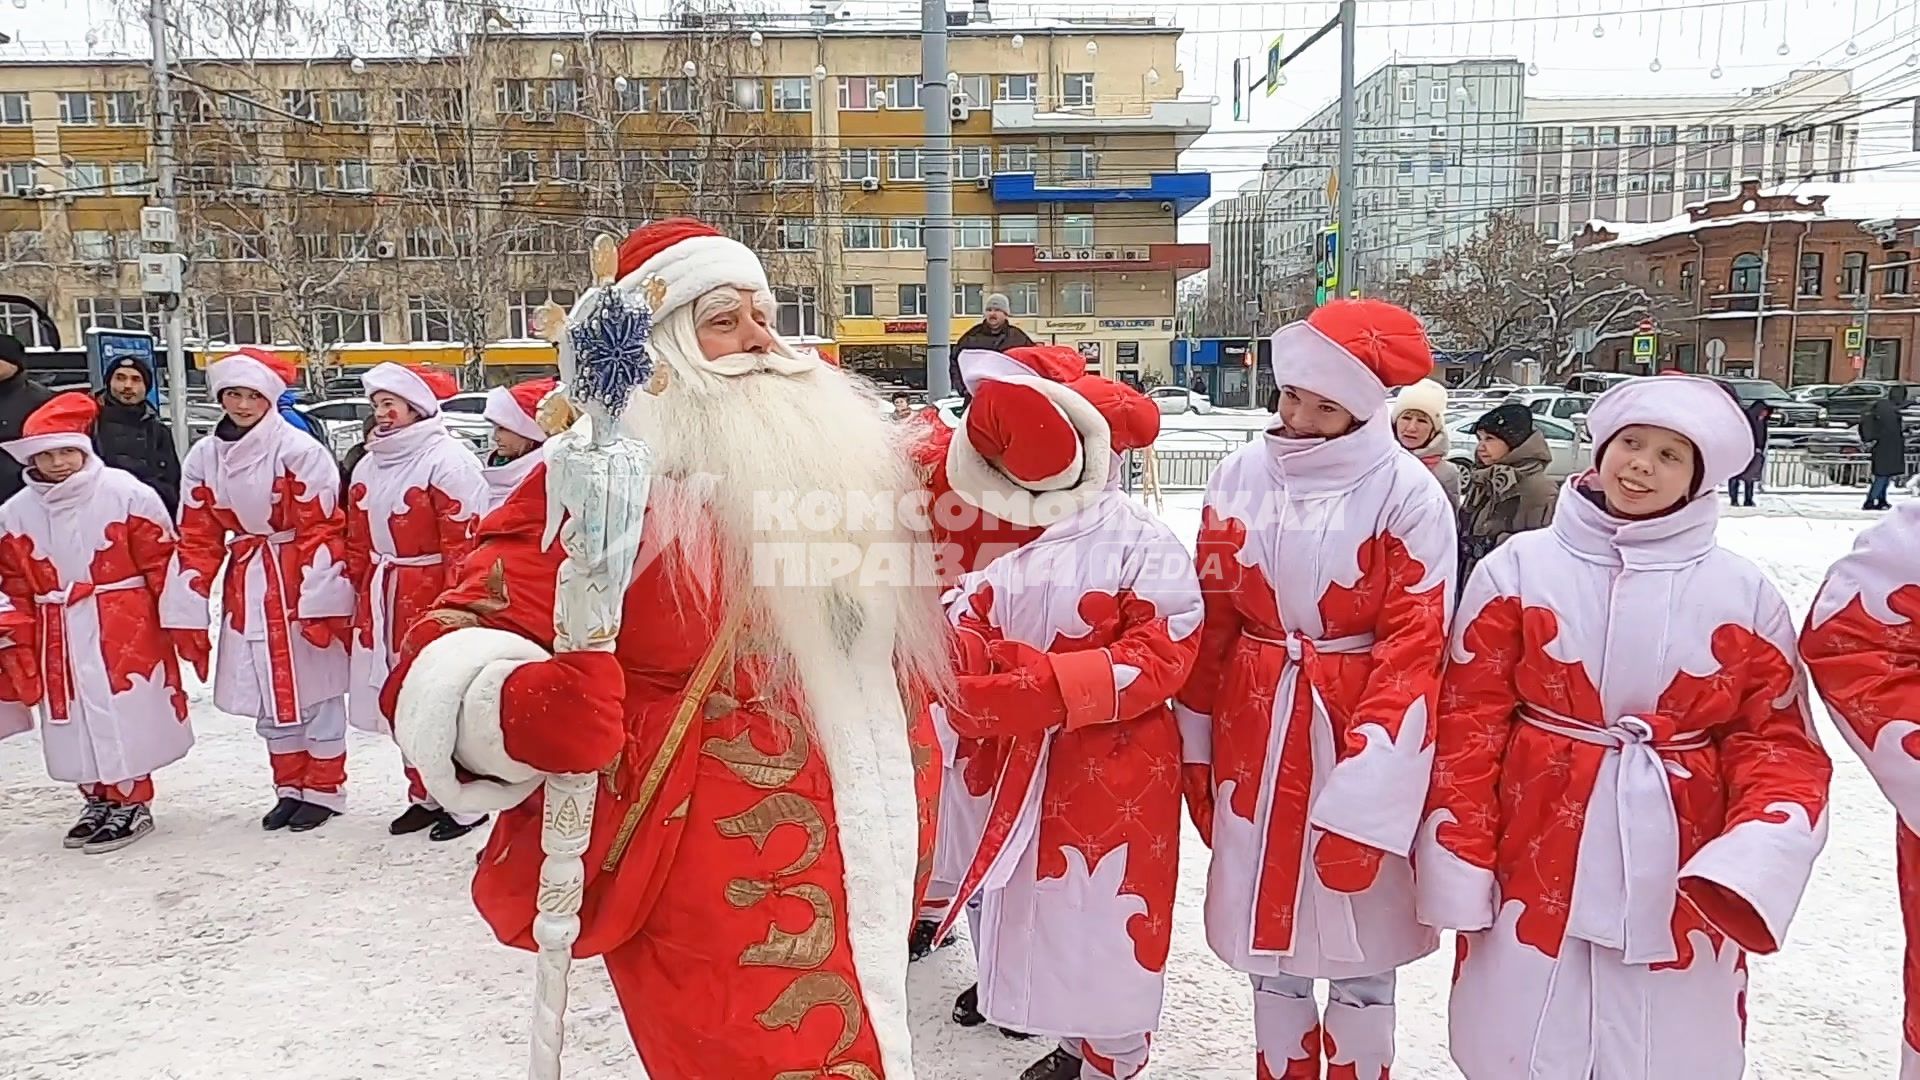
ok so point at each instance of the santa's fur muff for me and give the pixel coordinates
(1698, 410)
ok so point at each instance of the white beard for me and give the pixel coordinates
(728, 448)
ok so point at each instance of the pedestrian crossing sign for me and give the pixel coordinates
(1643, 346)
(1855, 338)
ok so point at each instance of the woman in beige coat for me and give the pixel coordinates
(1419, 411)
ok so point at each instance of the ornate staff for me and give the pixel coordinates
(597, 483)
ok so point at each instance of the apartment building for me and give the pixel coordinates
(1806, 283)
(1645, 158)
(346, 208)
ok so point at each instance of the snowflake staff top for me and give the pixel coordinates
(603, 342)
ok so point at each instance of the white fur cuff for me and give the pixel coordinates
(449, 711)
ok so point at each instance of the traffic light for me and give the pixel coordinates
(1326, 265)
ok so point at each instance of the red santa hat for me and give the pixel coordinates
(690, 259)
(423, 388)
(1351, 351)
(64, 421)
(265, 373)
(1699, 409)
(517, 408)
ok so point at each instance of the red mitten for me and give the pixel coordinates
(1196, 781)
(193, 649)
(970, 651)
(1345, 865)
(567, 714)
(1021, 696)
(23, 671)
(322, 633)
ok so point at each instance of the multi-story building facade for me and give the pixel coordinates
(1435, 153)
(1810, 283)
(344, 207)
(1643, 159)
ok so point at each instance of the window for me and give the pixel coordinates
(1077, 163)
(1076, 298)
(750, 167)
(1527, 185)
(1019, 229)
(683, 167)
(795, 167)
(1686, 278)
(913, 300)
(125, 107)
(118, 313)
(749, 95)
(1581, 183)
(77, 109)
(1437, 165)
(974, 88)
(1017, 157)
(972, 233)
(570, 165)
(301, 103)
(860, 234)
(311, 175)
(429, 106)
(1606, 136)
(238, 108)
(903, 92)
(1636, 183)
(793, 94)
(16, 109)
(1550, 137)
(22, 322)
(346, 106)
(314, 246)
(1076, 230)
(1605, 184)
(523, 167)
(561, 95)
(1406, 164)
(1720, 180)
(969, 299)
(1437, 131)
(1754, 133)
(904, 165)
(1696, 180)
(1550, 230)
(1696, 134)
(856, 301)
(86, 177)
(349, 321)
(794, 234)
(428, 319)
(1723, 134)
(1744, 278)
(1076, 90)
(1810, 276)
(523, 309)
(972, 162)
(798, 311)
(1580, 137)
(1407, 91)
(1897, 273)
(1883, 359)
(1017, 88)
(1812, 360)
(432, 242)
(906, 234)
(1437, 93)
(355, 245)
(1639, 136)
(245, 319)
(1662, 183)
(859, 163)
(239, 246)
(24, 246)
(1853, 273)
(353, 176)
(533, 238)
(92, 245)
(1663, 136)
(1023, 298)
(678, 96)
(859, 93)
(129, 178)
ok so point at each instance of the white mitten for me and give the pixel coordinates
(448, 714)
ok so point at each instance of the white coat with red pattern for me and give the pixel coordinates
(82, 563)
(411, 511)
(1076, 773)
(1328, 569)
(1862, 647)
(266, 506)
(1628, 797)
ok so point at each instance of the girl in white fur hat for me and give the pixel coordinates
(1419, 411)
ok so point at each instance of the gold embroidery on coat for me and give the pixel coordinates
(809, 992)
(765, 771)
(805, 950)
(470, 614)
(852, 1070)
(780, 808)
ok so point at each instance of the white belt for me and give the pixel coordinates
(380, 603)
(1647, 826)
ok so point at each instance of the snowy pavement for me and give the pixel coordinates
(212, 950)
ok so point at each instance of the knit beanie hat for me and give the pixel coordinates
(1511, 423)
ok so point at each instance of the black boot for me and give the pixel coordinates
(920, 944)
(966, 1008)
(309, 816)
(125, 824)
(281, 813)
(416, 818)
(91, 818)
(1059, 1065)
(448, 829)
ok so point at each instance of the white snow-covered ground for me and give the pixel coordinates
(214, 951)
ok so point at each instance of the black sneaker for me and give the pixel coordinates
(416, 818)
(1059, 1065)
(966, 1008)
(308, 816)
(448, 829)
(91, 818)
(125, 824)
(281, 813)
(920, 943)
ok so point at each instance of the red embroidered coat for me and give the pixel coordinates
(266, 507)
(82, 564)
(1628, 797)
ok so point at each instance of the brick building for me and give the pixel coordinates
(1771, 282)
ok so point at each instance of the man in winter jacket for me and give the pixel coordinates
(1507, 491)
(994, 332)
(1882, 430)
(130, 433)
(19, 396)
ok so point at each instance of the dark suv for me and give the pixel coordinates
(1848, 402)
(1787, 410)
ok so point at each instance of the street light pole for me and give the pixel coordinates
(175, 322)
(936, 101)
(1348, 124)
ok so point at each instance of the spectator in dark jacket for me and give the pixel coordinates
(356, 452)
(129, 433)
(1884, 433)
(994, 331)
(1759, 415)
(19, 395)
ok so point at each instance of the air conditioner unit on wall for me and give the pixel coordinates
(383, 250)
(983, 183)
(870, 183)
(959, 113)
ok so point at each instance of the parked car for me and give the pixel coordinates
(1554, 402)
(343, 419)
(1814, 392)
(1179, 399)
(472, 402)
(1596, 382)
(1787, 410)
(1571, 453)
(1848, 402)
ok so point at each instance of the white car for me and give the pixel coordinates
(1173, 400)
(1570, 452)
(1557, 403)
(344, 421)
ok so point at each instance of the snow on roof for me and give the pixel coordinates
(1858, 201)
